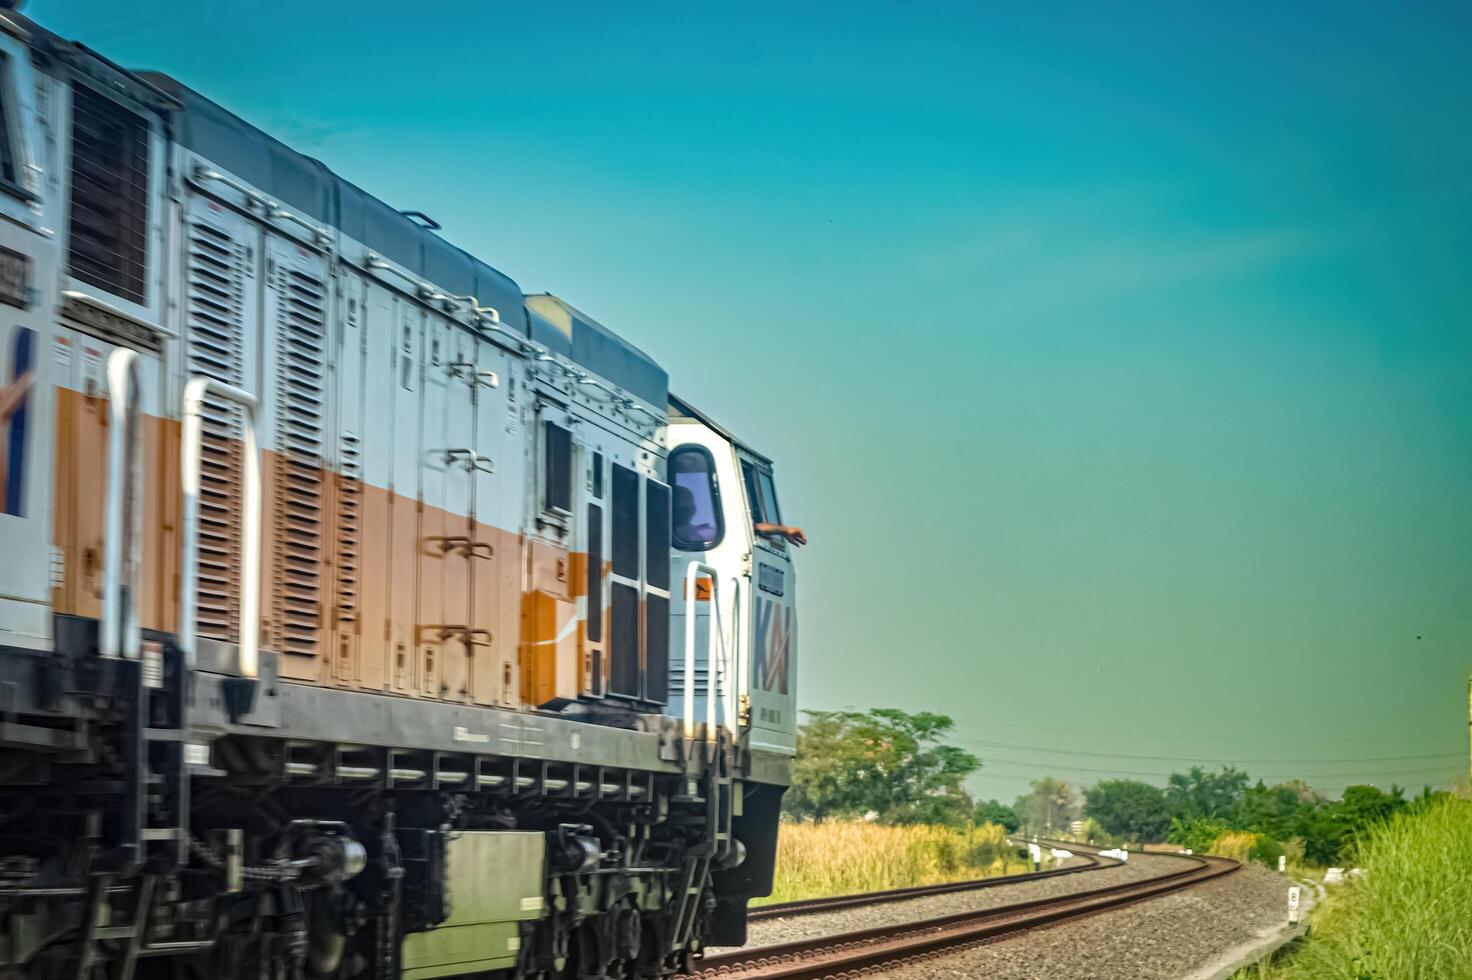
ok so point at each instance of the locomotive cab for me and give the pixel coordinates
(740, 582)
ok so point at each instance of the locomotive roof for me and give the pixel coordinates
(311, 187)
(680, 408)
(558, 325)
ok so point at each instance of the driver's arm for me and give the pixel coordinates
(793, 534)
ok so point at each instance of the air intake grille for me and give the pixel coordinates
(349, 532)
(109, 206)
(216, 309)
(300, 383)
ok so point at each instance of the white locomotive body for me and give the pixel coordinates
(344, 629)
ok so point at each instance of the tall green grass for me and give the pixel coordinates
(1409, 917)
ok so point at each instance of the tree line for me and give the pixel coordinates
(893, 766)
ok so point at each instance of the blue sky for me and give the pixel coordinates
(1117, 358)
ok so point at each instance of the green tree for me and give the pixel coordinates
(1129, 808)
(1048, 807)
(1277, 811)
(884, 761)
(1197, 833)
(1363, 806)
(995, 811)
(1201, 794)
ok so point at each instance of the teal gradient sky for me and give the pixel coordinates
(1117, 359)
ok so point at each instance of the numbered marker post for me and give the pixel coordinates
(1293, 905)
(1282, 863)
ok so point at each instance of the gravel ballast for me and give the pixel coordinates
(791, 929)
(1182, 934)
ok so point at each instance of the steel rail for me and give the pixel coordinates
(813, 906)
(854, 953)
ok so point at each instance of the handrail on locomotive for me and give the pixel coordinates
(123, 542)
(191, 449)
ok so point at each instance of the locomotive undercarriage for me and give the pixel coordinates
(135, 844)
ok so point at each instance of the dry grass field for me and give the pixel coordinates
(844, 857)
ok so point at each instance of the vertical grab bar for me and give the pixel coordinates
(250, 564)
(714, 635)
(729, 655)
(123, 521)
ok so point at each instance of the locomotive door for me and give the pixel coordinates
(492, 668)
(771, 685)
(371, 417)
(25, 389)
(550, 667)
(28, 257)
(350, 506)
(435, 461)
(462, 464)
(406, 478)
(589, 581)
(293, 422)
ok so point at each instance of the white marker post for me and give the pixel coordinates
(1282, 863)
(1293, 905)
(1036, 853)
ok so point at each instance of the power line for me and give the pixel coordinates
(1044, 766)
(1335, 789)
(1326, 788)
(1448, 756)
(1235, 737)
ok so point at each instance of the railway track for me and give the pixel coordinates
(812, 906)
(852, 954)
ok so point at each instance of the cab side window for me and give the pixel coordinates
(556, 468)
(769, 498)
(761, 495)
(753, 495)
(9, 173)
(697, 523)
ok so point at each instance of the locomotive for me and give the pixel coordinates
(360, 616)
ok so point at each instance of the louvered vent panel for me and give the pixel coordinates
(108, 227)
(300, 405)
(349, 528)
(216, 307)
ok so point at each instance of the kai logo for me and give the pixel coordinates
(16, 385)
(773, 641)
